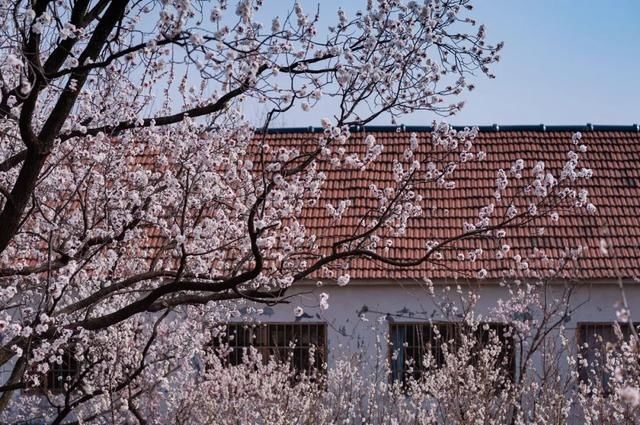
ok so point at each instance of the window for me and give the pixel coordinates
(59, 374)
(287, 342)
(595, 340)
(410, 342)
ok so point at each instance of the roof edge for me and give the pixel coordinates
(409, 281)
(634, 128)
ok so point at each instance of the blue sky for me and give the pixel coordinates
(564, 62)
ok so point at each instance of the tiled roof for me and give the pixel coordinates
(613, 155)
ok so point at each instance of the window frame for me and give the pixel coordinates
(455, 325)
(580, 340)
(55, 369)
(266, 349)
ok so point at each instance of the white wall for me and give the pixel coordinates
(381, 302)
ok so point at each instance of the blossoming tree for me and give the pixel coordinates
(136, 199)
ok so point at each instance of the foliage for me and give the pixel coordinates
(138, 201)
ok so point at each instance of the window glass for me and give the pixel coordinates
(62, 373)
(596, 340)
(411, 342)
(287, 342)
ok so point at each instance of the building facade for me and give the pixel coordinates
(588, 261)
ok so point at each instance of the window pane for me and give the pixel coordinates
(596, 340)
(286, 342)
(411, 342)
(63, 373)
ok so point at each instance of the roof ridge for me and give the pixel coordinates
(635, 128)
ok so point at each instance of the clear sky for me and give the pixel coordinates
(564, 62)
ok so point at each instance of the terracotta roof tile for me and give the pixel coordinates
(615, 190)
